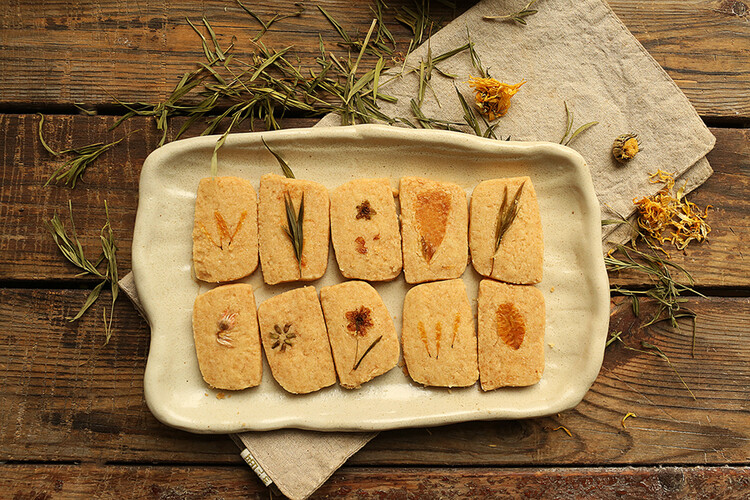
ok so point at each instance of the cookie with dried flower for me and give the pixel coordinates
(510, 328)
(365, 231)
(225, 229)
(225, 330)
(361, 331)
(438, 335)
(295, 341)
(434, 229)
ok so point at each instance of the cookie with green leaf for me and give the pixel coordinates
(293, 229)
(505, 231)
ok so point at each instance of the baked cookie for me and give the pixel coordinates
(295, 341)
(225, 229)
(434, 224)
(438, 336)
(277, 254)
(360, 329)
(511, 335)
(225, 329)
(364, 230)
(519, 257)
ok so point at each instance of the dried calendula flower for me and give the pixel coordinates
(669, 212)
(625, 147)
(492, 96)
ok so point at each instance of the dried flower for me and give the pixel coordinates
(225, 324)
(625, 147)
(668, 210)
(511, 327)
(365, 211)
(282, 336)
(492, 96)
(359, 321)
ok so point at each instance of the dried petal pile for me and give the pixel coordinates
(668, 216)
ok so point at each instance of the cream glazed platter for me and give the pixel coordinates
(575, 284)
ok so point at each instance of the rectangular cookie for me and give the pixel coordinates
(225, 229)
(511, 335)
(438, 336)
(360, 329)
(434, 225)
(519, 257)
(295, 341)
(364, 230)
(225, 329)
(277, 258)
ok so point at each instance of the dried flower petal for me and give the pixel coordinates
(511, 327)
(669, 211)
(492, 96)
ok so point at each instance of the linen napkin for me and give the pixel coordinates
(572, 51)
(576, 52)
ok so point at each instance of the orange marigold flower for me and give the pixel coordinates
(493, 97)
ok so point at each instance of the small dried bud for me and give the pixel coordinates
(625, 147)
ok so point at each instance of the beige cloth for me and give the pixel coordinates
(572, 50)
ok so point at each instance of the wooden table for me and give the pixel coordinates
(73, 420)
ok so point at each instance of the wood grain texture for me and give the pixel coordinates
(27, 251)
(48, 482)
(58, 53)
(66, 397)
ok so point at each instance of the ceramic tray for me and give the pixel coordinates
(575, 285)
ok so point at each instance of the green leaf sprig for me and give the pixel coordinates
(288, 173)
(507, 214)
(294, 226)
(72, 250)
(73, 169)
(569, 126)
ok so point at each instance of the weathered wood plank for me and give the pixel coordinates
(67, 397)
(28, 253)
(23, 482)
(137, 51)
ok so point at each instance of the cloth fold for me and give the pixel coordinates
(572, 51)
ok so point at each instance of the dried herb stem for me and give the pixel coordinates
(569, 126)
(367, 351)
(71, 248)
(651, 349)
(507, 214)
(288, 173)
(73, 169)
(518, 16)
